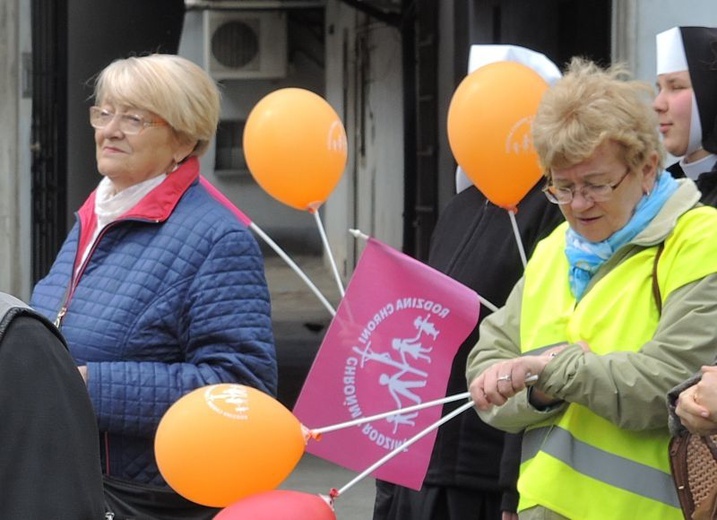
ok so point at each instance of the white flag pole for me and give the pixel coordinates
(409, 442)
(358, 234)
(361, 420)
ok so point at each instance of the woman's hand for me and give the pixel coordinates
(697, 405)
(501, 381)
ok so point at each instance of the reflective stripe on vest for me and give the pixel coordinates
(603, 471)
(601, 465)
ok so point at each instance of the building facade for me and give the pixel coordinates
(388, 67)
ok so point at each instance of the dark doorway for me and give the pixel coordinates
(559, 29)
(72, 41)
(49, 145)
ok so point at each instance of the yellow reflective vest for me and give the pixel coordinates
(577, 463)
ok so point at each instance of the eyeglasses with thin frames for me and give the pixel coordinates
(591, 192)
(130, 124)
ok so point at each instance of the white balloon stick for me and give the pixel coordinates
(518, 240)
(325, 241)
(362, 420)
(337, 493)
(295, 267)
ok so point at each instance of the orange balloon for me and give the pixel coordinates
(221, 443)
(295, 146)
(489, 124)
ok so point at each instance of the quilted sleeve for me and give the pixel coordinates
(223, 324)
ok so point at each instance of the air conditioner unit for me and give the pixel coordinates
(245, 44)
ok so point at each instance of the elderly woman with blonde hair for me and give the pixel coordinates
(615, 307)
(159, 289)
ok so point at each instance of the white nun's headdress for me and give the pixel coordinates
(484, 54)
(671, 58)
(694, 49)
(670, 52)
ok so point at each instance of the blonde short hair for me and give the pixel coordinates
(590, 105)
(174, 88)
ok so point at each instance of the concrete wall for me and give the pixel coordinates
(22, 279)
(295, 231)
(14, 148)
(636, 22)
(364, 83)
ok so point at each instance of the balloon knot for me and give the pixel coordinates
(334, 494)
(309, 434)
(329, 501)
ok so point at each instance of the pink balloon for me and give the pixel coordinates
(283, 504)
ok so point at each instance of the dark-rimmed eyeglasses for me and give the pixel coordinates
(591, 192)
(129, 123)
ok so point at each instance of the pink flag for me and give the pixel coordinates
(390, 345)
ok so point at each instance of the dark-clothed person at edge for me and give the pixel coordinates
(48, 458)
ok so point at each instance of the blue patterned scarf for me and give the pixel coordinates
(586, 257)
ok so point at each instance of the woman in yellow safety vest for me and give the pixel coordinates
(615, 307)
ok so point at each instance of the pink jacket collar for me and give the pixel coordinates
(157, 206)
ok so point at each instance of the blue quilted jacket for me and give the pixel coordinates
(172, 297)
